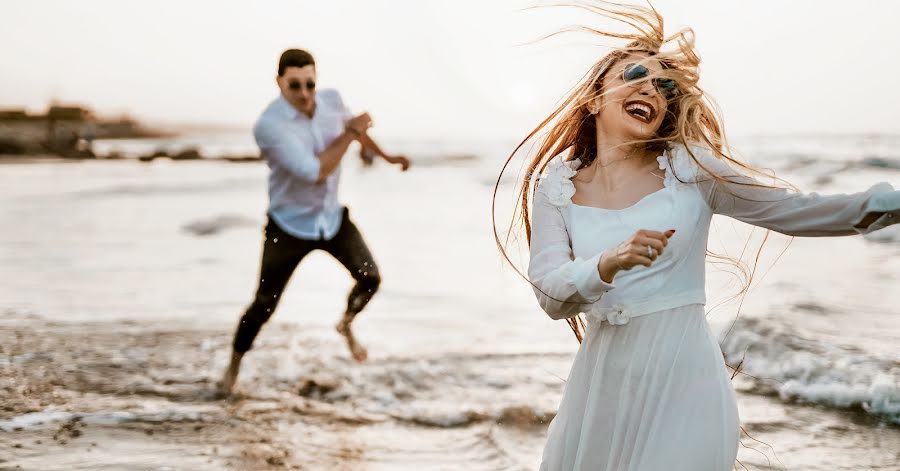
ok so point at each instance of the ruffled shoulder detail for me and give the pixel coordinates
(687, 169)
(556, 182)
(681, 167)
(665, 164)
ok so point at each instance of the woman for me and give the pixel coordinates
(633, 167)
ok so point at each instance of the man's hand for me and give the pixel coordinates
(360, 124)
(400, 160)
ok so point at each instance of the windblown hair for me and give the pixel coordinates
(691, 118)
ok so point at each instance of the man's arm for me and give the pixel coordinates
(331, 157)
(364, 139)
(367, 142)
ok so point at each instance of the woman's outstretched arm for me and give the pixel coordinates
(791, 212)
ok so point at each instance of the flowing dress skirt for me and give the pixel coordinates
(650, 395)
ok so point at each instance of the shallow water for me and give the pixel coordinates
(122, 281)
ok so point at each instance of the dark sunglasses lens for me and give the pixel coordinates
(311, 85)
(668, 87)
(635, 72)
(294, 85)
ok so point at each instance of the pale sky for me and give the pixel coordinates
(443, 69)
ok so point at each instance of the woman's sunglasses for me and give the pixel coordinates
(666, 87)
(296, 85)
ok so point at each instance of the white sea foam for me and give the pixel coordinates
(34, 419)
(44, 418)
(441, 391)
(809, 371)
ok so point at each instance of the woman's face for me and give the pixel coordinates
(631, 110)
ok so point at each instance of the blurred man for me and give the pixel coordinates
(303, 135)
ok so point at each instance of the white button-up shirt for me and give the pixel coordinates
(291, 143)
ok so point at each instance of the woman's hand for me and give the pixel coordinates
(640, 249)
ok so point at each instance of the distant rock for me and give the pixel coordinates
(10, 146)
(187, 154)
(242, 158)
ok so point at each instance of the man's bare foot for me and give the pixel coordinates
(226, 384)
(358, 351)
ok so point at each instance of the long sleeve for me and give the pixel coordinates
(564, 285)
(285, 149)
(790, 212)
(337, 102)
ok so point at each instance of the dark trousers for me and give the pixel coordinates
(281, 255)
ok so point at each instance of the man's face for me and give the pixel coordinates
(298, 87)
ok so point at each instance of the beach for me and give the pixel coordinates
(122, 282)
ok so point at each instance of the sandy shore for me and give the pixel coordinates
(141, 396)
(129, 395)
(116, 396)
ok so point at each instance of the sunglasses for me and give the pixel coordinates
(634, 72)
(296, 85)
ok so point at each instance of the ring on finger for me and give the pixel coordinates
(650, 252)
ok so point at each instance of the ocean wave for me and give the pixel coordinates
(446, 160)
(33, 420)
(877, 162)
(807, 371)
(182, 188)
(454, 390)
(828, 166)
(518, 416)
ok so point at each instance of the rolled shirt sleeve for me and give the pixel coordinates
(287, 150)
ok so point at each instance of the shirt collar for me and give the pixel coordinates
(286, 109)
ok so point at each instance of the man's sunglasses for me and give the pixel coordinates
(666, 87)
(296, 85)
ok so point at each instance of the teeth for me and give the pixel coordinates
(640, 110)
(638, 106)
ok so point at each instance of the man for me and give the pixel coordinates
(303, 135)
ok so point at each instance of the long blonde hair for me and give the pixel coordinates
(691, 119)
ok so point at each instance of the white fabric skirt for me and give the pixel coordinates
(653, 394)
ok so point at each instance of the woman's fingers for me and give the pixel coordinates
(637, 259)
(657, 245)
(660, 236)
(635, 250)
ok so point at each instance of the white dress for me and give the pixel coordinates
(649, 389)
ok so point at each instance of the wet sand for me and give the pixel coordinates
(130, 395)
(122, 396)
(140, 396)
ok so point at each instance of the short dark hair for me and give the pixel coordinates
(294, 58)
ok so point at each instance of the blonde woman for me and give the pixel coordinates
(632, 168)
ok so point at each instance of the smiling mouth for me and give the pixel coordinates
(640, 110)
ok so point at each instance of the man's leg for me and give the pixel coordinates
(281, 254)
(351, 250)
